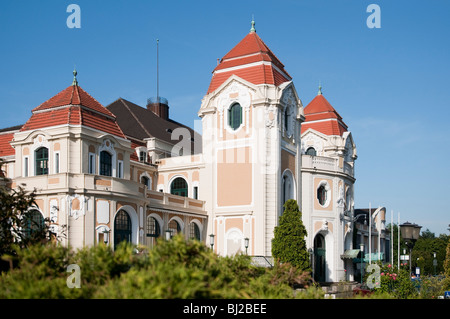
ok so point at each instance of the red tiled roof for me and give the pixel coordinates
(76, 107)
(73, 95)
(5, 148)
(251, 60)
(322, 117)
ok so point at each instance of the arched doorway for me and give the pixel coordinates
(319, 258)
(122, 227)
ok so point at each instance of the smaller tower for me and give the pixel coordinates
(327, 184)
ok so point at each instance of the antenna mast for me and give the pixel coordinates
(157, 70)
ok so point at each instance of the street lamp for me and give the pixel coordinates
(168, 234)
(410, 233)
(434, 263)
(246, 240)
(361, 248)
(211, 240)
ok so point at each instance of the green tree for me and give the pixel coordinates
(288, 244)
(447, 268)
(424, 249)
(18, 228)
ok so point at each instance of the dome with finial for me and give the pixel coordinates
(321, 116)
(252, 60)
(73, 106)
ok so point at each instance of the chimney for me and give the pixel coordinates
(159, 106)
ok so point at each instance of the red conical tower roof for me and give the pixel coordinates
(252, 60)
(74, 106)
(322, 117)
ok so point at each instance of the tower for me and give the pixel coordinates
(251, 118)
(329, 154)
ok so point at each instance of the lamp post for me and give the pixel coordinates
(434, 263)
(410, 233)
(361, 248)
(311, 260)
(246, 241)
(211, 240)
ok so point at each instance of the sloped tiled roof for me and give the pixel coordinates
(73, 106)
(322, 117)
(140, 123)
(5, 148)
(73, 95)
(252, 60)
(6, 136)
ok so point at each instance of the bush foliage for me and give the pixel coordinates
(172, 269)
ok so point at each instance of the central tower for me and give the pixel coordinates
(251, 118)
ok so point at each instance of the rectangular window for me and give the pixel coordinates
(195, 192)
(105, 163)
(57, 163)
(25, 167)
(91, 163)
(120, 169)
(143, 157)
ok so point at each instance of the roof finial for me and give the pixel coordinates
(75, 82)
(320, 89)
(253, 24)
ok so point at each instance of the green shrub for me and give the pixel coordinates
(288, 244)
(172, 269)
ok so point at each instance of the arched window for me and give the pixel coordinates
(287, 189)
(34, 223)
(122, 227)
(146, 181)
(311, 151)
(194, 231)
(105, 163)
(235, 116)
(153, 229)
(41, 161)
(174, 227)
(322, 195)
(179, 187)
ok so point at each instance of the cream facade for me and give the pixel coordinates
(254, 156)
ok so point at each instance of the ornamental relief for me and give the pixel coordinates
(76, 205)
(312, 140)
(235, 92)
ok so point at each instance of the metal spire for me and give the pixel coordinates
(74, 82)
(320, 89)
(253, 25)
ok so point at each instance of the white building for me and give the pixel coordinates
(116, 173)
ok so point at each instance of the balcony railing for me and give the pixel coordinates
(326, 163)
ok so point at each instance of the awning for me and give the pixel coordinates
(350, 254)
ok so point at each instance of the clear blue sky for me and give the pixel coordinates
(391, 85)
